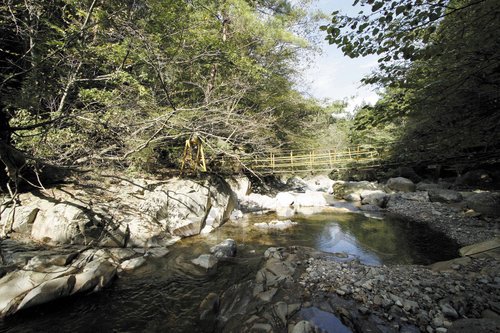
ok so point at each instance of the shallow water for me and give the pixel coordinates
(163, 295)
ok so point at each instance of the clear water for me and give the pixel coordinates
(164, 295)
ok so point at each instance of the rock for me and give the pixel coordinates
(208, 311)
(280, 309)
(64, 223)
(445, 196)
(376, 198)
(157, 252)
(478, 248)
(352, 197)
(222, 203)
(241, 186)
(131, 264)
(311, 199)
(285, 199)
(262, 327)
(297, 184)
(20, 219)
(179, 206)
(116, 255)
(410, 306)
(302, 327)
(448, 310)
(342, 190)
(474, 325)
(225, 249)
(474, 178)
(267, 295)
(275, 224)
(183, 207)
(400, 184)
(206, 261)
(96, 275)
(485, 203)
(449, 265)
(320, 183)
(257, 202)
(14, 285)
(425, 186)
(48, 291)
(236, 215)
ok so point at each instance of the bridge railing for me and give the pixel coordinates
(315, 161)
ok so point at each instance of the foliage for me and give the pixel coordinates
(125, 83)
(439, 67)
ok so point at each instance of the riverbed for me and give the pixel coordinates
(164, 295)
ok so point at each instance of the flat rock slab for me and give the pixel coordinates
(485, 246)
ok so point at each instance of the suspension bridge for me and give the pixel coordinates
(316, 160)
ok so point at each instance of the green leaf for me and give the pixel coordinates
(377, 6)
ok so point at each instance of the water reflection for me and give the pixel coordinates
(163, 295)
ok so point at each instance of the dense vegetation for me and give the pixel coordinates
(439, 73)
(125, 83)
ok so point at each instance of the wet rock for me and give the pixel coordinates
(445, 196)
(95, 275)
(206, 261)
(275, 224)
(400, 184)
(208, 310)
(48, 291)
(156, 252)
(225, 249)
(132, 264)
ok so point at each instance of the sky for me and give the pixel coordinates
(335, 76)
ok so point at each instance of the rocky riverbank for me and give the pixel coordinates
(301, 290)
(76, 238)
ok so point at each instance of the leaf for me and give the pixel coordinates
(377, 6)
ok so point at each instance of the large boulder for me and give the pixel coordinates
(445, 196)
(181, 207)
(19, 219)
(241, 186)
(376, 198)
(485, 203)
(65, 223)
(225, 249)
(47, 278)
(223, 202)
(320, 183)
(352, 190)
(400, 184)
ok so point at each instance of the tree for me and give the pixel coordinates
(125, 83)
(399, 31)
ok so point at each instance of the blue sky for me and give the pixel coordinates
(334, 76)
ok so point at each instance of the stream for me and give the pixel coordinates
(163, 295)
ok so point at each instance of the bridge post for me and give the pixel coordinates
(291, 159)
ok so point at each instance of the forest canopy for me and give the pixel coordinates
(125, 83)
